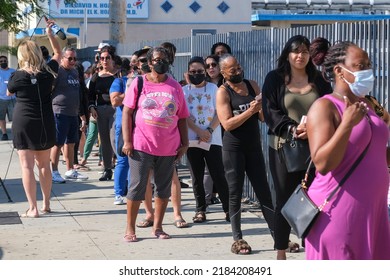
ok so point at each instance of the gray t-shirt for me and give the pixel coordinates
(66, 93)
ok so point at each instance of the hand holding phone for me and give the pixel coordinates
(258, 97)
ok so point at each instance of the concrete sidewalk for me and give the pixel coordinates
(86, 225)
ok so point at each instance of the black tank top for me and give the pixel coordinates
(248, 134)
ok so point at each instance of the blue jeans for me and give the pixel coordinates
(122, 170)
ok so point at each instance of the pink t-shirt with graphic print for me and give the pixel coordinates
(160, 107)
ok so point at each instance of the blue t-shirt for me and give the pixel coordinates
(4, 77)
(118, 85)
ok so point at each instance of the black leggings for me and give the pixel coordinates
(198, 158)
(284, 184)
(237, 163)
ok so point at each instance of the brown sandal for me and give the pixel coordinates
(241, 247)
(200, 217)
(292, 247)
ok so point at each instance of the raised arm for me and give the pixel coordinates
(55, 45)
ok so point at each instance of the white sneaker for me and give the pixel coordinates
(57, 178)
(75, 175)
(119, 200)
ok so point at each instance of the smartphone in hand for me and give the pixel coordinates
(258, 97)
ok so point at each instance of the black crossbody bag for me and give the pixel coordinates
(300, 211)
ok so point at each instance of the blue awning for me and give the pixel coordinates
(41, 31)
(319, 17)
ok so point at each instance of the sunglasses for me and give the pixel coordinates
(71, 58)
(105, 58)
(193, 72)
(143, 60)
(212, 64)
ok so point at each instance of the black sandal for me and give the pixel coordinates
(200, 217)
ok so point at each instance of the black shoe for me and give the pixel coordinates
(107, 175)
(215, 200)
(4, 137)
(184, 185)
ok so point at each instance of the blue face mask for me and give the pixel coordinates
(364, 82)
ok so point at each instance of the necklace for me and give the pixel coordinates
(339, 95)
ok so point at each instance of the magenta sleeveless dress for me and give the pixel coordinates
(355, 223)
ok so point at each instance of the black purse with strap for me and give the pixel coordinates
(300, 211)
(294, 153)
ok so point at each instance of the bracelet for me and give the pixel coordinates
(210, 130)
(91, 106)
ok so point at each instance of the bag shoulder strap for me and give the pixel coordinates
(346, 176)
(140, 85)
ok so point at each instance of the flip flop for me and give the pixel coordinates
(45, 212)
(130, 238)
(160, 234)
(145, 223)
(26, 215)
(180, 223)
(81, 167)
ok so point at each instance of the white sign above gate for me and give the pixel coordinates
(96, 9)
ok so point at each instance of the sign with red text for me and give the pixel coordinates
(96, 9)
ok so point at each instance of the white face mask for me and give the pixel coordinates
(364, 82)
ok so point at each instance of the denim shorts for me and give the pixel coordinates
(67, 129)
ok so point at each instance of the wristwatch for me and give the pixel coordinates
(210, 130)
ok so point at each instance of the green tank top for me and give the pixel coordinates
(297, 105)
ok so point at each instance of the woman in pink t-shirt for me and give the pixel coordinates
(158, 139)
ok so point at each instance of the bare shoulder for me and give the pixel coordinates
(255, 86)
(222, 93)
(323, 109)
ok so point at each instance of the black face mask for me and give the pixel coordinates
(145, 67)
(236, 79)
(197, 79)
(4, 65)
(161, 67)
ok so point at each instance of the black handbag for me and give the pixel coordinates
(120, 143)
(294, 153)
(300, 211)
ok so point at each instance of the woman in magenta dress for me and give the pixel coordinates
(355, 223)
